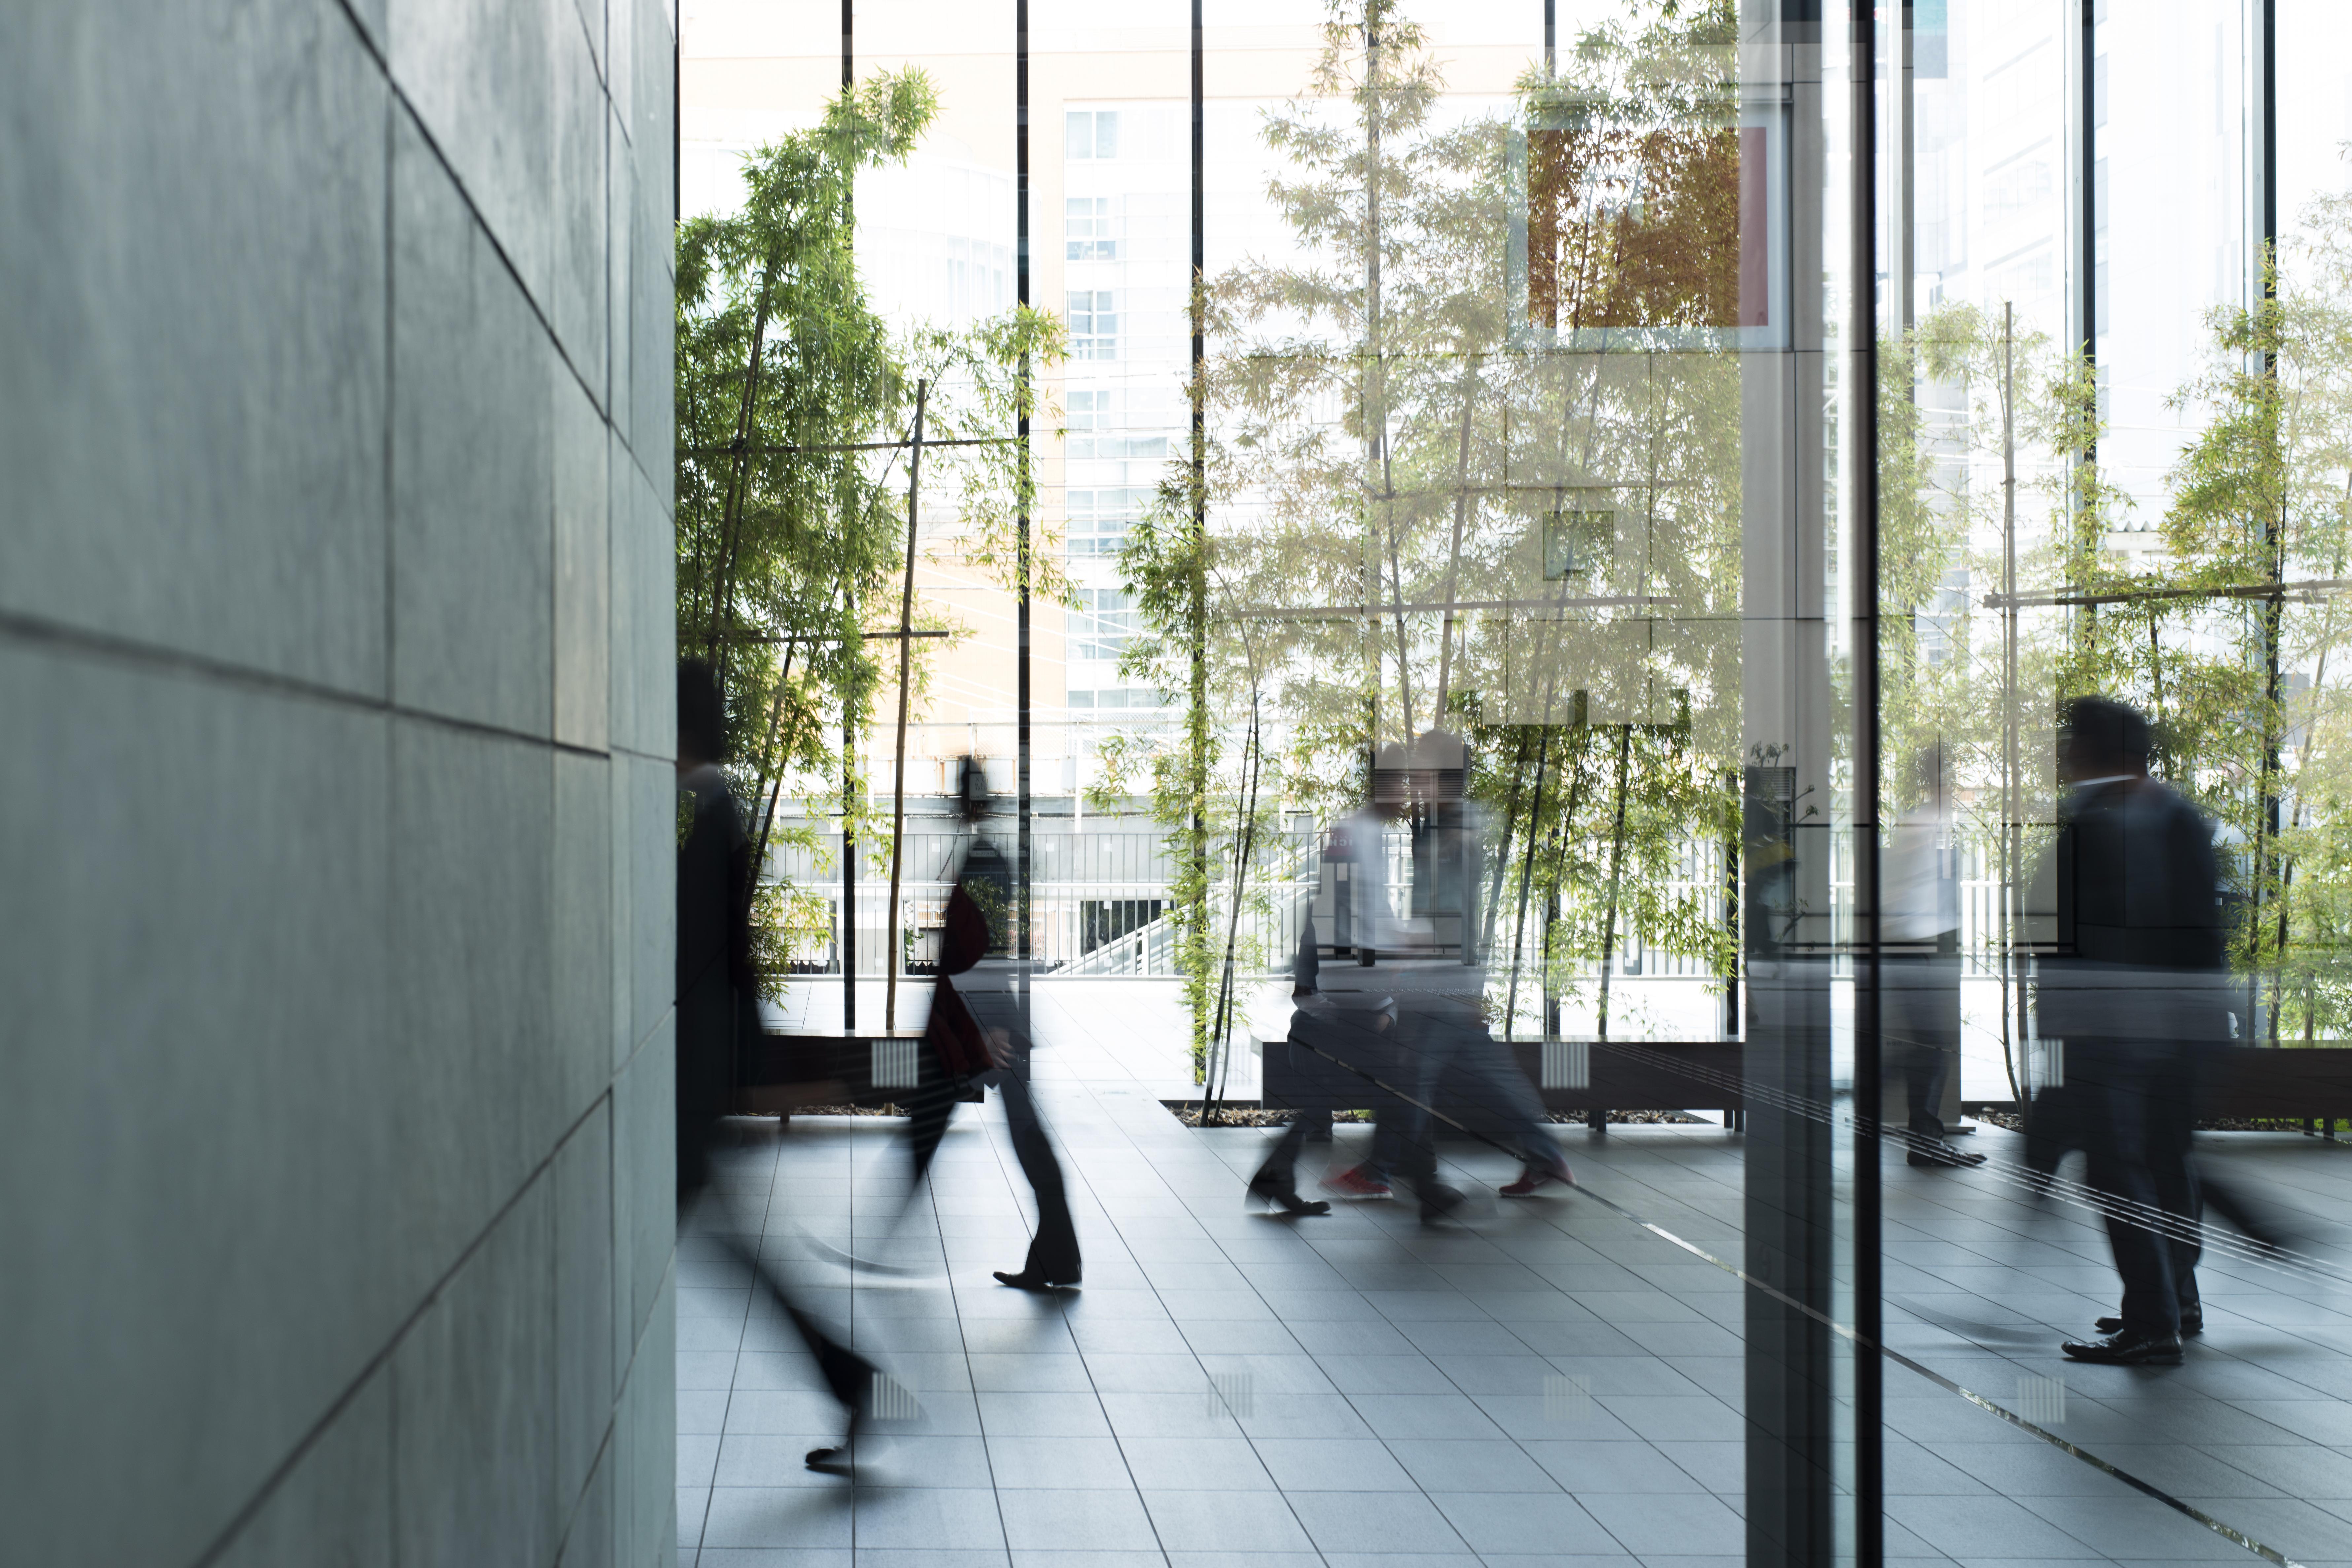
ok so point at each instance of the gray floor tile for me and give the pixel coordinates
(924, 1460)
(1694, 1526)
(929, 1518)
(1042, 1416)
(1324, 1464)
(1413, 1373)
(1984, 1528)
(1376, 1522)
(1425, 1415)
(1519, 1522)
(1205, 1464)
(1169, 1416)
(1616, 1468)
(1471, 1465)
(1002, 1373)
(1058, 1463)
(1195, 1526)
(1094, 1520)
(778, 1516)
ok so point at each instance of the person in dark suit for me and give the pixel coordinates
(2134, 980)
(717, 1005)
(1317, 1044)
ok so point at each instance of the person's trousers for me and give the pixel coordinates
(1054, 1250)
(1919, 997)
(2137, 1117)
(846, 1372)
(1452, 1051)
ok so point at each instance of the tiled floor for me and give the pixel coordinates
(1548, 1382)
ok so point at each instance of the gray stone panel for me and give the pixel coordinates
(482, 78)
(475, 1380)
(651, 821)
(590, 1543)
(621, 224)
(473, 508)
(646, 1436)
(472, 881)
(584, 1374)
(621, 32)
(191, 410)
(653, 326)
(333, 1509)
(578, 280)
(193, 1065)
(579, 966)
(655, 64)
(624, 592)
(593, 22)
(651, 585)
(645, 1186)
(584, 616)
(335, 1076)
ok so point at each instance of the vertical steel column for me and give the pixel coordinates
(1021, 607)
(2087, 176)
(1788, 723)
(848, 718)
(1862, 454)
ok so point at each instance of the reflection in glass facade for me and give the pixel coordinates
(1737, 598)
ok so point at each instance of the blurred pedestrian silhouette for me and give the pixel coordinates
(1316, 1043)
(990, 984)
(2133, 981)
(1919, 932)
(1428, 974)
(717, 1009)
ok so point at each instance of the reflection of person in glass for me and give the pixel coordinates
(718, 1005)
(1919, 928)
(990, 989)
(1427, 968)
(2133, 983)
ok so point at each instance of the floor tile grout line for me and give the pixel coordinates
(1208, 1382)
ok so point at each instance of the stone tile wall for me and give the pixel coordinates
(335, 814)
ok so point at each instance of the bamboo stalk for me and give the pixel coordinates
(1616, 869)
(898, 772)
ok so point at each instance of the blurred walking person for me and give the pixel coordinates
(1427, 968)
(2133, 981)
(1919, 926)
(988, 984)
(718, 1008)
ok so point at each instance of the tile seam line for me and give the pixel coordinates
(1350, 1399)
(277, 1478)
(399, 95)
(1136, 1152)
(162, 658)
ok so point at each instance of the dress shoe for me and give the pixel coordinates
(1284, 1195)
(1034, 1279)
(2127, 1347)
(854, 1380)
(1942, 1155)
(2192, 1323)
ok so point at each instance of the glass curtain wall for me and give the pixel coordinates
(1576, 527)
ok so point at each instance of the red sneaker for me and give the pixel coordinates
(1533, 1178)
(1355, 1183)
